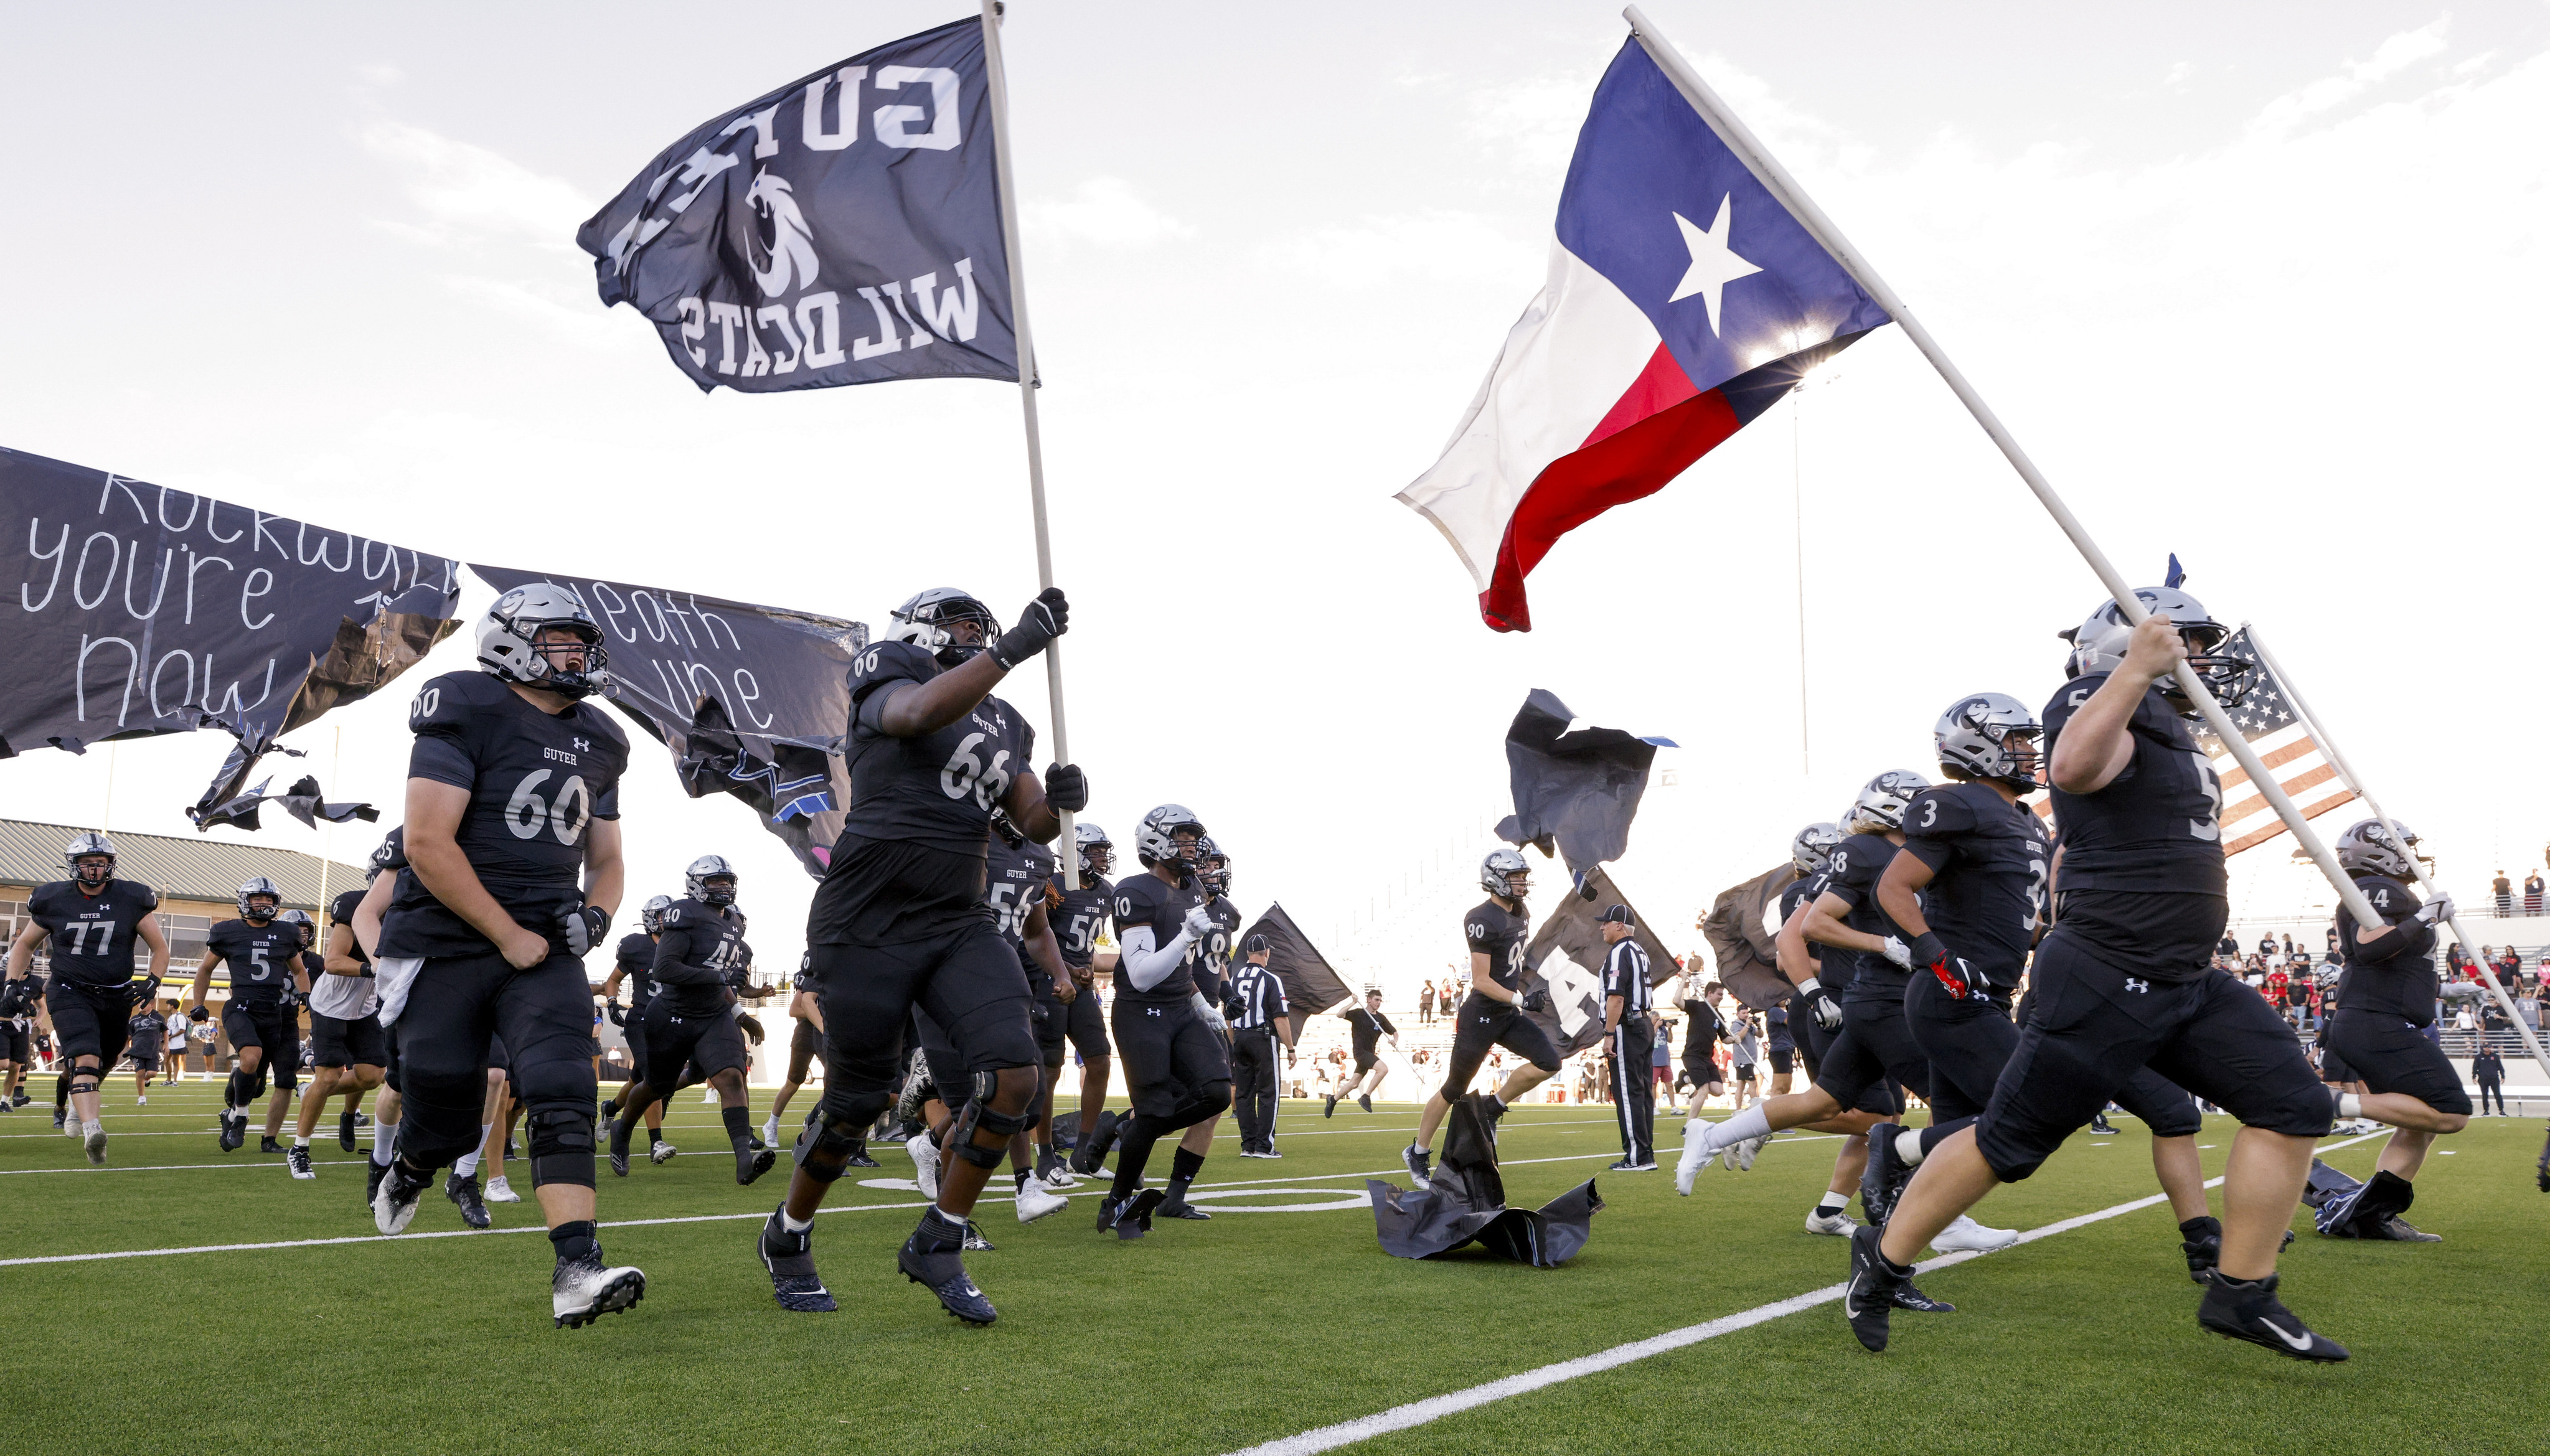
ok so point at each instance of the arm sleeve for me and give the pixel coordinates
(1144, 966)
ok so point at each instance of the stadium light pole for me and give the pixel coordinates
(2328, 746)
(1775, 179)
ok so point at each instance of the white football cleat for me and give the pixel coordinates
(1967, 1236)
(1747, 1151)
(662, 1153)
(770, 1131)
(583, 1291)
(925, 1163)
(1838, 1222)
(1035, 1201)
(500, 1192)
(1695, 1156)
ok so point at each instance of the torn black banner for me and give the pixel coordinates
(304, 801)
(752, 701)
(196, 613)
(1467, 1205)
(1574, 793)
(1312, 987)
(1565, 958)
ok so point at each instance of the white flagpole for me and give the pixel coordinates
(1067, 850)
(2320, 736)
(1775, 178)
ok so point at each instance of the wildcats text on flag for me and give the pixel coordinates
(845, 229)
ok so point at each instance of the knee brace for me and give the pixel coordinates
(823, 1149)
(980, 1114)
(563, 1147)
(93, 1077)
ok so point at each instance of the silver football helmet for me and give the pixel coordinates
(260, 887)
(695, 880)
(1992, 737)
(928, 620)
(89, 846)
(1213, 864)
(300, 919)
(1880, 804)
(2098, 645)
(1155, 839)
(2367, 848)
(509, 641)
(1505, 872)
(650, 915)
(1813, 849)
(1097, 852)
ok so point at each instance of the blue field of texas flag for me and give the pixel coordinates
(1682, 302)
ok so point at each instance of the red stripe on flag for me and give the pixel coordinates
(1659, 387)
(1631, 461)
(2311, 779)
(2233, 778)
(2256, 838)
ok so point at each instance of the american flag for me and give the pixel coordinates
(2267, 720)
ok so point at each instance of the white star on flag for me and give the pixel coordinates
(1713, 264)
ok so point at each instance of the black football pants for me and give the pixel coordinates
(1256, 1074)
(545, 1016)
(1633, 1089)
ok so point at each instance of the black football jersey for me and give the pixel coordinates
(1500, 935)
(340, 911)
(2401, 981)
(2155, 829)
(1986, 888)
(1147, 899)
(92, 934)
(697, 954)
(1803, 891)
(258, 959)
(146, 1029)
(636, 962)
(1082, 916)
(1013, 881)
(1213, 967)
(1852, 875)
(536, 781)
(938, 789)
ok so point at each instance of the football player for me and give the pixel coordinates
(91, 919)
(285, 1060)
(1018, 880)
(514, 869)
(898, 923)
(263, 954)
(1801, 961)
(1176, 1048)
(1078, 921)
(634, 963)
(2384, 995)
(369, 913)
(688, 1017)
(344, 1029)
(804, 1042)
(1492, 1015)
(2125, 978)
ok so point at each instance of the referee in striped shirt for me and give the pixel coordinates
(1261, 1033)
(1633, 1037)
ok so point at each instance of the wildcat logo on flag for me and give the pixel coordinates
(845, 229)
(1682, 301)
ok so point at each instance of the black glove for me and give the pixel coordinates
(142, 993)
(13, 998)
(618, 1014)
(1065, 787)
(584, 927)
(1534, 999)
(198, 1012)
(1035, 1011)
(1045, 619)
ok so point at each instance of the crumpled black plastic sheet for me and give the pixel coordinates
(1467, 1205)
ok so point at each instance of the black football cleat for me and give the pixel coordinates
(1908, 1298)
(1132, 1218)
(1332, 1109)
(1883, 1179)
(372, 1182)
(346, 1131)
(2242, 1310)
(790, 1258)
(394, 1205)
(619, 1151)
(464, 1194)
(1870, 1299)
(1184, 1209)
(233, 1131)
(1364, 1102)
(749, 1164)
(2395, 1229)
(1421, 1165)
(860, 1159)
(941, 1271)
(268, 1145)
(583, 1291)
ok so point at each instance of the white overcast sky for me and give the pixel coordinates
(2260, 285)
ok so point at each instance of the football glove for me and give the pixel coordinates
(197, 1012)
(618, 1014)
(1534, 999)
(1045, 619)
(1199, 923)
(2434, 912)
(1897, 951)
(1205, 1008)
(1821, 1006)
(583, 927)
(13, 1000)
(1065, 787)
(143, 992)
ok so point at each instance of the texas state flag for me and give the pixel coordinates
(1682, 302)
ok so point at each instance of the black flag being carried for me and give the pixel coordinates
(845, 229)
(1565, 958)
(753, 701)
(1312, 987)
(1574, 792)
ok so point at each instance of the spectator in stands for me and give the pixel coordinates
(2277, 984)
(2230, 950)
(2289, 946)
(2531, 892)
(2505, 889)
(2266, 946)
(1424, 1003)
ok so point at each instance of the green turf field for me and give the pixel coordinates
(1209, 1337)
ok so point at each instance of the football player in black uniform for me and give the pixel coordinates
(1492, 1015)
(688, 1017)
(1176, 1050)
(1078, 921)
(1802, 962)
(344, 1030)
(514, 869)
(1018, 884)
(285, 1060)
(2384, 995)
(263, 954)
(899, 921)
(371, 914)
(634, 963)
(91, 919)
(2125, 978)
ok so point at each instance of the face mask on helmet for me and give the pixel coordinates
(539, 635)
(1097, 854)
(1169, 835)
(1811, 850)
(1880, 804)
(90, 857)
(1505, 872)
(2367, 848)
(259, 899)
(650, 916)
(951, 627)
(2099, 646)
(299, 922)
(1992, 737)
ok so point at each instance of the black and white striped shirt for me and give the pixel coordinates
(1259, 995)
(1624, 975)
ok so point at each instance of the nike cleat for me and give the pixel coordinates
(463, 1192)
(1885, 1174)
(749, 1164)
(2098, 1127)
(94, 1144)
(1838, 1222)
(1966, 1237)
(1695, 1156)
(1908, 1298)
(662, 1153)
(1035, 1200)
(1058, 1177)
(770, 1130)
(583, 1291)
(346, 1131)
(975, 1243)
(298, 1160)
(1421, 1165)
(859, 1158)
(790, 1258)
(1625, 1166)
(2243, 1309)
(62, 1112)
(1874, 1281)
(943, 1273)
(925, 1163)
(394, 1205)
(1745, 1152)
(501, 1191)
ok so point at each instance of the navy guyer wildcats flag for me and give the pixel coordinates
(845, 229)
